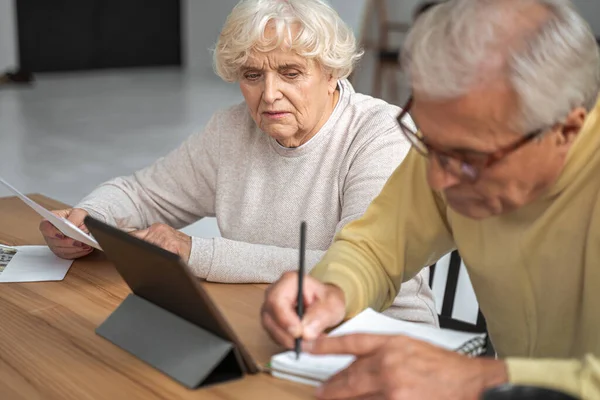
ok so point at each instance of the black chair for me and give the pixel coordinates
(388, 57)
(445, 317)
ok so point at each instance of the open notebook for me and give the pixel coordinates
(313, 370)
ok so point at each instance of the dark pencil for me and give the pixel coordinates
(300, 301)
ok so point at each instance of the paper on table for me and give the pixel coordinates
(34, 264)
(312, 369)
(62, 224)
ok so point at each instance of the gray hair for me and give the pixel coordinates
(554, 67)
(322, 35)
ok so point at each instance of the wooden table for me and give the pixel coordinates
(49, 350)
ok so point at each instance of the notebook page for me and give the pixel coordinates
(323, 366)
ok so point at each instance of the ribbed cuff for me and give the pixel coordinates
(549, 373)
(353, 295)
(201, 256)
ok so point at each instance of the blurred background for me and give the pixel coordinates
(93, 89)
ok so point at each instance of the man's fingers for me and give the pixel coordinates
(359, 380)
(280, 303)
(277, 333)
(356, 344)
(319, 317)
(284, 315)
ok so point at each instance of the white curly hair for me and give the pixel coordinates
(321, 35)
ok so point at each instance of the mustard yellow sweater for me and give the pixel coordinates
(536, 271)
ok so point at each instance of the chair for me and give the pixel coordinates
(453, 265)
(387, 61)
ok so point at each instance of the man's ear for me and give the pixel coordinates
(572, 126)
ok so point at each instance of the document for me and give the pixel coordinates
(31, 264)
(315, 369)
(62, 224)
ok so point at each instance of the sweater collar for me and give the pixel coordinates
(586, 147)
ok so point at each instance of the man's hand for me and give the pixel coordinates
(168, 238)
(62, 246)
(401, 368)
(324, 307)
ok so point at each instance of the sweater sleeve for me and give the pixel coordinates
(402, 231)
(224, 260)
(177, 189)
(577, 377)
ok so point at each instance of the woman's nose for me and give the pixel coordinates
(272, 90)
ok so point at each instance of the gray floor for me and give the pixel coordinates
(70, 132)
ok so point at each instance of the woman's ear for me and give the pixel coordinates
(332, 84)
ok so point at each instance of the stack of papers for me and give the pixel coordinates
(315, 369)
(31, 264)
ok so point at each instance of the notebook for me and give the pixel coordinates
(313, 370)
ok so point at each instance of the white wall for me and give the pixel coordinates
(202, 21)
(590, 9)
(8, 35)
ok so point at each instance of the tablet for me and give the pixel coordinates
(162, 278)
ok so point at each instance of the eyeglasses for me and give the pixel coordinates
(464, 167)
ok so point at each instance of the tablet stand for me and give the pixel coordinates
(186, 352)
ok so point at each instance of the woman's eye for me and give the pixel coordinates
(252, 76)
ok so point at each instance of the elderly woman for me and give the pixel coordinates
(303, 146)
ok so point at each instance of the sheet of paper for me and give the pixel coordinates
(295, 378)
(319, 368)
(33, 264)
(62, 224)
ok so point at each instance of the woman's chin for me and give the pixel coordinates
(286, 140)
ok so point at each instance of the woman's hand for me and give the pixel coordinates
(61, 245)
(168, 238)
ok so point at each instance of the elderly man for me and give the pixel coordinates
(505, 168)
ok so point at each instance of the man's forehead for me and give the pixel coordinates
(475, 121)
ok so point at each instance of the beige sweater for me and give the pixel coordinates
(259, 193)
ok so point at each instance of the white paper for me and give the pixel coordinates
(320, 367)
(35, 264)
(62, 224)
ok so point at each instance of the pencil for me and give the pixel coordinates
(300, 301)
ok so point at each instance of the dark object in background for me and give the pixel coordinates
(424, 7)
(18, 77)
(389, 57)
(71, 35)
(517, 392)
(393, 56)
